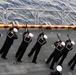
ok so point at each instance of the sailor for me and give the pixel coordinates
(27, 38)
(11, 36)
(59, 46)
(68, 47)
(41, 40)
(57, 72)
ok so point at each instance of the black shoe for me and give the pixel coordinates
(29, 56)
(71, 68)
(19, 61)
(3, 57)
(34, 62)
(46, 62)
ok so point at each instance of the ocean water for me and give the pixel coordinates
(49, 11)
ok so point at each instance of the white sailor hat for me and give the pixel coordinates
(73, 42)
(15, 30)
(59, 68)
(45, 36)
(31, 35)
(63, 43)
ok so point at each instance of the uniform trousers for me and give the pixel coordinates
(35, 49)
(62, 56)
(6, 49)
(72, 62)
(54, 55)
(21, 52)
(3, 48)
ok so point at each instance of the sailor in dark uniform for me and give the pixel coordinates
(41, 40)
(72, 62)
(25, 42)
(11, 36)
(57, 72)
(59, 46)
(68, 47)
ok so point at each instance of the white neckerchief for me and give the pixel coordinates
(58, 49)
(10, 36)
(40, 42)
(26, 40)
(68, 48)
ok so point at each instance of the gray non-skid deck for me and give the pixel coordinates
(27, 67)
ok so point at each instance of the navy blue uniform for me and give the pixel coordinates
(55, 53)
(40, 42)
(68, 47)
(22, 48)
(8, 42)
